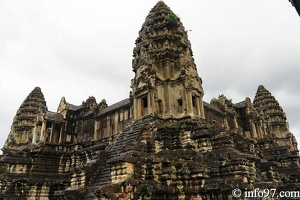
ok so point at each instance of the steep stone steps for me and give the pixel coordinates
(128, 136)
(103, 176)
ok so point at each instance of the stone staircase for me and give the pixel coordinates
(113, 151)
(128, 136)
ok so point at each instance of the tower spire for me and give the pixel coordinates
(166, 80)
(266, 104)
(22, 129)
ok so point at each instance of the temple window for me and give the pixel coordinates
(195, 105)
(160, 106)
(144, 104)
(180, 105)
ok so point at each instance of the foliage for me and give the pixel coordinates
(172, 20)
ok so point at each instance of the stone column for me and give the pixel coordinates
(259, 130)
(226, 121)
(34, 130)
(43, 131)
(235, 122)
(198, 106)
(51, 133)
(150, 102)
(189, 103)
(202, 114)
(184, 101)
(253, 129)
(153, 103)
(136, 107)
(95, 130)
(166, 100)
(60, 134)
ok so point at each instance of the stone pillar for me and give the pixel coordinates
(166, 100)
(202, 114)
(130, 115)
(153, 103)
(189, 103)
(236, 125)
(95, 130)
(136, 108)
(51, 133)
(252, 129)
(150, 102)
(198, 105)
(60, 134)
(259, 130)
(226, 122)
(34, 130)
(184, 101)
(43, 131)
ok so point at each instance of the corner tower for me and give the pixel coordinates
(266, 104)
(23, 127)
(166, 82)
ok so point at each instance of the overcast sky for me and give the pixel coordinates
(78, 49)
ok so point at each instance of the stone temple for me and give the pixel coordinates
(163, 142)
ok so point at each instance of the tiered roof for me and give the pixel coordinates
(266, 104)
(163, 42)
(25, 118)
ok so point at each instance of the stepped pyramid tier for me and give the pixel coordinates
(23, 127)
(166, 80)
(273, 117)
(164, 142)
(268, 107)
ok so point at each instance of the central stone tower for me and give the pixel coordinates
(166, 82)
